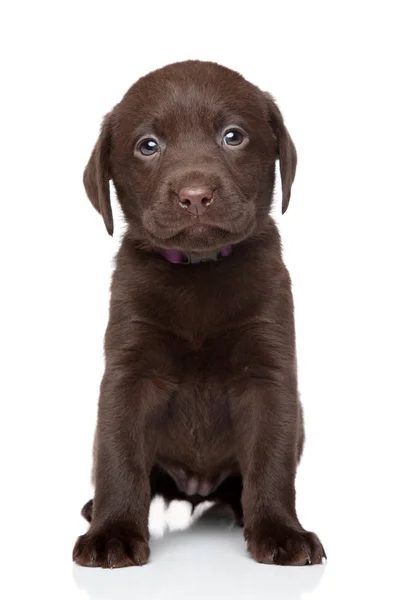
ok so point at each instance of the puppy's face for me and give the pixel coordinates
(191, 149)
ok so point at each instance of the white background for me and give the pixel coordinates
(333, 66)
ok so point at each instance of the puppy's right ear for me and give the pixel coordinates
(96, 177)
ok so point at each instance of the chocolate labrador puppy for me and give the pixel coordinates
(199, 397)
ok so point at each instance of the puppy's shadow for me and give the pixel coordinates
(208, 559)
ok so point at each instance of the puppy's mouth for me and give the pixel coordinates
(200, 237)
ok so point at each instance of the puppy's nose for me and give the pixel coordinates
(196, 199)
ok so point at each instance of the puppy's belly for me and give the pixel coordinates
(195, 438)
(193, 484)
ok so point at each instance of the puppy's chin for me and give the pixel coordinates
(201, 238)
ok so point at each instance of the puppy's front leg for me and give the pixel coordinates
(268, 428)
(118, 534)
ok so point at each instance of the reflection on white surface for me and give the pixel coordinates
(208, 559)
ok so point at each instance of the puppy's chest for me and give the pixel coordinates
(196, 428)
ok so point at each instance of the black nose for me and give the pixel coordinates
(196, 199)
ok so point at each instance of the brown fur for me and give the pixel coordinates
(200, 381)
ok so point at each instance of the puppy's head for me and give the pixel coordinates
(191, 149)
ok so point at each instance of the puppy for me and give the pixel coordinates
(199, 397)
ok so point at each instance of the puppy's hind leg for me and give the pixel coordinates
(229, 493)
(86, 511)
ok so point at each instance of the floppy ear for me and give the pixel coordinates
(96, 176)
(286, 150)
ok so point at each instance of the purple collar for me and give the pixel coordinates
(176, 257)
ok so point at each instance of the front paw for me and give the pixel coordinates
(281, 545)
(111, 547)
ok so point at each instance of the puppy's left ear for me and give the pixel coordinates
(286, 150)
(96, 177)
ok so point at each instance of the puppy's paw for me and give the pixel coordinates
(281, 545)
(111, 548)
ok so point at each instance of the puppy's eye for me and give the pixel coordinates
(149, 147)
(233, 137)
